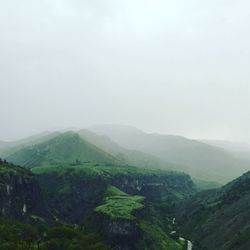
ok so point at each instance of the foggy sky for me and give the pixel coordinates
(175, 67)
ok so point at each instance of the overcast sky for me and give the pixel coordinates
(175, 67)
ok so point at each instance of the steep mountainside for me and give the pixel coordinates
(199, 159)
(219, 219)
(66, 148)
(132, 207)
(20, 194)
(83, 183)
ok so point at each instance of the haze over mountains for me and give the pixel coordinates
(239, 149)
(126, 145)
(128, 187)
(199, 159)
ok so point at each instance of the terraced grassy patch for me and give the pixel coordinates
(120, 205)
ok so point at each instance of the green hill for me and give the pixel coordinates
(27, 152)
(66, 148)
(219, 219)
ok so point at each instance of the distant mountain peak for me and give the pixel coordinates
(115, 128)
(65, 148)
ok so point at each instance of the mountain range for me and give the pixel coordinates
(199, 159)
(129, 146)
(117, 187)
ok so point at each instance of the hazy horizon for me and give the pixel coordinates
(89, 127)
(177, 67)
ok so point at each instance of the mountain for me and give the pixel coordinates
(81, 182)
(3, 144)
(199, 159)
(7, 148)
(239, 149)
(127, 157)
(229, 145)
(66, 148)
(19, 153)
(219, 219)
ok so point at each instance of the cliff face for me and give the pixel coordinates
(121, 203)
(120, 234)
(73, 193)
(115, 201)
(156, 188)
(69, 196)
(20, 194)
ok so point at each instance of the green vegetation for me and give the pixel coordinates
(104, 170)
(65, 148)
(154, 238)
(120, 205)
(74, 193)
(73, 181)
(219, 219)
(8, 168)
(205, 185)
(15, 235)
(114, 191)
(8, 148)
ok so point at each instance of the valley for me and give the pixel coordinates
(85, 191)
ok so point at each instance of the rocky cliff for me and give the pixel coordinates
(120, 202)
(20, 195)
(72, 192)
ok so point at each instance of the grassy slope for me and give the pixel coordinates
(6, 168)
(205, 185)
(119, 205)
(154, 238)
(219, 219)
(65, 148)
(105, 170)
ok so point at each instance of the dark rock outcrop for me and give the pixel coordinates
(20, 195)
(73, 195)
(120, 234)
(155, 188)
